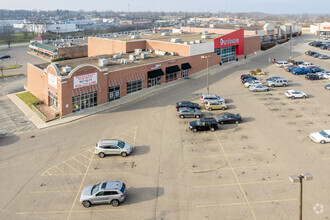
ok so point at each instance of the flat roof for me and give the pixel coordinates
(113, 64)
(158, 36)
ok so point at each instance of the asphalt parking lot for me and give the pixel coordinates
(237, 172)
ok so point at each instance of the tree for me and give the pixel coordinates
(25, 31)
(1, 69)
(6, 35)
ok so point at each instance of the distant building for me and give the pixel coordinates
(320, 28)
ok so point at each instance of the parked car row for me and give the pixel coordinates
(317, 55)
(320, 44)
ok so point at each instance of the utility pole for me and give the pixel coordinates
(290, 38)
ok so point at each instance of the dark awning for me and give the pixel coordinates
(155, 73)
(172, 69)
(185, 66)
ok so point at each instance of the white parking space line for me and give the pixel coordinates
(75, 211)
(228, 168)
(242, 183)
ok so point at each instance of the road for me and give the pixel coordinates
(238, 172)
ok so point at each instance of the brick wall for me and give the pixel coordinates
(181, 49)
(251, 44)
(101, 46)
(73, 52)
(37, 82)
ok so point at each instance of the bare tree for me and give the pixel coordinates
(6, 35)
(2, 67)
(25, 31)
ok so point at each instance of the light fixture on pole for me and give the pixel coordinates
(207, 76)
(299, 179)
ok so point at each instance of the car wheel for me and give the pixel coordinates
(273, 85)
(101, 155)
(223, 108)
(197, 116)
(86, 204)
(292, 97)
(322, 142)
(222, 122)
(284, 85)
(212, 129)
(123, 154)
(236, 122)
(195, 130)
(210, 109)
(181, 116)
(304, 97)
(115, 203)
(295, 74)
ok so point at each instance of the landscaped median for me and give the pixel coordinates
(10, 67)
(32, 101)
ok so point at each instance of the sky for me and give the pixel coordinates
(272, 7)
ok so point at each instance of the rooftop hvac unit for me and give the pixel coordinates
(173, 54)
(145, 55)
(132, 57)
(123, 61)
(191, 42)
(162, 53)
(150, 50)
(165, 34)
(103, 62)
(66, 69)
(206, 37)
(117, 56)
(198, 41)
(185, 43)
(138, 51)
(135, 36)
(176, 40)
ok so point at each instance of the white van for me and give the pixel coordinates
(208, 97)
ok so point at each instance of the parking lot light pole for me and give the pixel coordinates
(207, 76)
(296, 179)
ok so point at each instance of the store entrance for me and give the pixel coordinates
(84, 101)
(228, 54)
(154, 81)
(52, 100)
(114, 92)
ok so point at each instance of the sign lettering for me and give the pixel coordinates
(228, 41)
(85, 80)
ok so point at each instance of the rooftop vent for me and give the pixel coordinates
(198, 41)
(162, 53)
(103, 62)
(132, 57)
(145, 55)
(117, 56)
(66, 69)
(123, 61)
(176, 40)
(206, 37)
(138, 51)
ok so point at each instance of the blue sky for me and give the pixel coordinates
(276, 7)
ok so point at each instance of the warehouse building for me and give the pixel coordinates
(119, 66)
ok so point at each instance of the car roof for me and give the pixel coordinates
(209, 95)
(208, 119)
(215, 102)
(108, 141)
(111, 185)
(327, 131)
(185, 108)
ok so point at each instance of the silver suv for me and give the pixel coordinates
(110, 147)
(107, 192)
(277, 82)
(189, 113)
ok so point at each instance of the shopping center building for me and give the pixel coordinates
(123, 65)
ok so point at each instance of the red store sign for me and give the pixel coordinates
(235, 38)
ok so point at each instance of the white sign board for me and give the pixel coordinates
(85, 80)
(52, 80)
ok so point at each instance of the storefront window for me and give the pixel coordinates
(114, 92)
(134, 86)
(171, 76)
(84, 101)
(52, 100)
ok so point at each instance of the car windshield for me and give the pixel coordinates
(123, 188)
(121, 144)
(95, 188)
(323, 133)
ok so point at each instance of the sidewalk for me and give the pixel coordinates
(40, 124)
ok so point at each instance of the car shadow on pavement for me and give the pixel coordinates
(231, 107)
(140, 150)
(294, 84)
(247, 119)
(142, 194)
(7, 140)
(229, 101)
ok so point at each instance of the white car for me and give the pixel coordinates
(209, 97)
(282, 63)
(295, 94)
(259, 88)
(325, 74)
(305, 65)
(252, 82)
(321, 137)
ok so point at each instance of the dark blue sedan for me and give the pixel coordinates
(300, 71)
(316, 69)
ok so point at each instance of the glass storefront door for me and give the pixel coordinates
(228, 54)
(154, 81)
(84, 101)
(184, 73)
(114, 92)
(52, 100)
